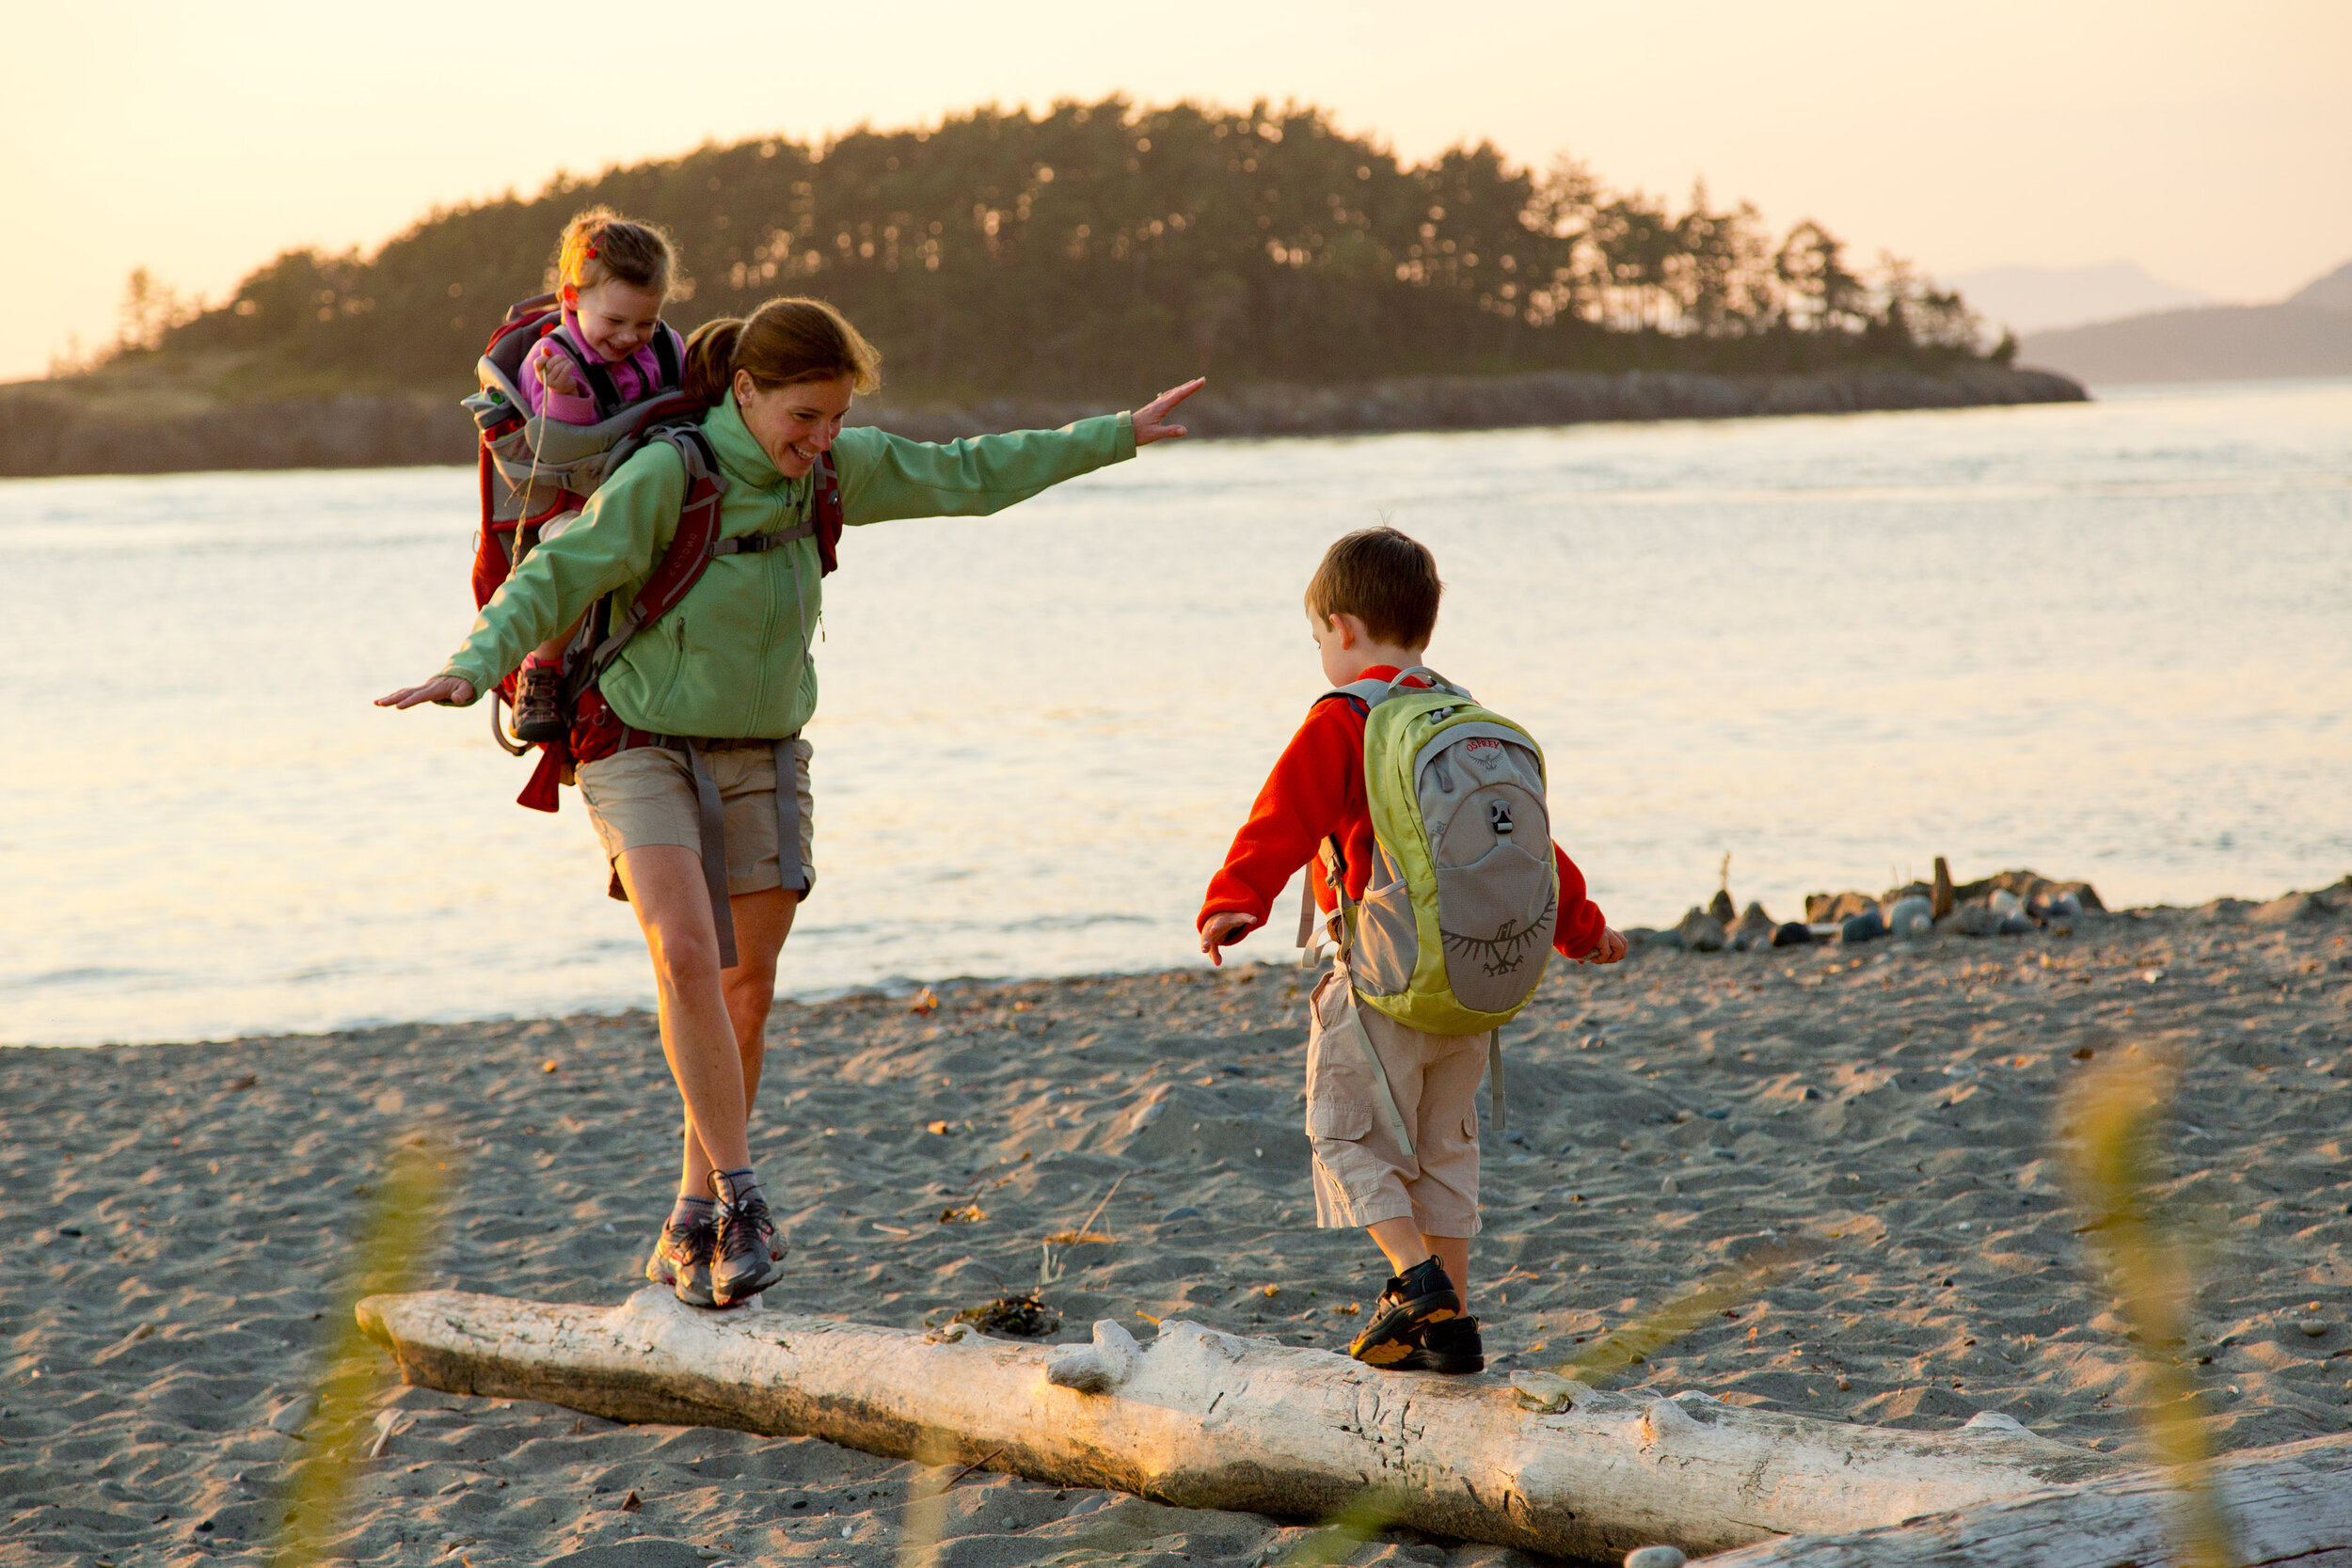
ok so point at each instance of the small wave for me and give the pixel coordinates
(87, 975)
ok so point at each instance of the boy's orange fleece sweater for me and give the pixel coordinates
(1316, 791)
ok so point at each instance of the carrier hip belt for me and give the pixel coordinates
(711, 819)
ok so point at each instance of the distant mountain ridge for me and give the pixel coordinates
(2046, 299)
(2332, 293)
(2308, 333)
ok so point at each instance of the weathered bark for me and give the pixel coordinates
(1206, 1419)
(2290, 1503)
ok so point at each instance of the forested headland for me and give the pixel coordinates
(1087, 255)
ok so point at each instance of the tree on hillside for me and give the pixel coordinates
(1102, 246)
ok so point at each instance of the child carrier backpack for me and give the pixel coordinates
(1455, 924)
(536, 471)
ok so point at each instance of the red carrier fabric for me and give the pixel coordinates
(597, 731)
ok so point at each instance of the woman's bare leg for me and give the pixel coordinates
(665, 887)
(762, 921)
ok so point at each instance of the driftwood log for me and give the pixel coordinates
(2288, 1504)
(1206, 1419)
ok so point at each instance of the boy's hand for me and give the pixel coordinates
(1220, 930)
(1608, 950)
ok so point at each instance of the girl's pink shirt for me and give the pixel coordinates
(638, 376)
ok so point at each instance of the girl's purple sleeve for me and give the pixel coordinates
(541, 398)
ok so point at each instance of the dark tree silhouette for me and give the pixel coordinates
(1100, 247)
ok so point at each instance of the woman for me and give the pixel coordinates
(709, 699)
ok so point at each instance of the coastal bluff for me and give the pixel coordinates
(90, 426)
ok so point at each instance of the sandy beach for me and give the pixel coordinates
(178, 1216)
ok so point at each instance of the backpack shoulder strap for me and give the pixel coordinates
(1368, 694)
(690, 554)
(669, 358)
(827, 481)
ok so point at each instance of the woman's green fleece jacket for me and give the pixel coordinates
(730, 659)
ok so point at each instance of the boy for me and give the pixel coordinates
(1372, 607)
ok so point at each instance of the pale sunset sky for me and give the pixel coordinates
(2210, 144)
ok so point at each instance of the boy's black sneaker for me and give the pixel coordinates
(539, 715)
(1452, 1346)
(1414, 1300)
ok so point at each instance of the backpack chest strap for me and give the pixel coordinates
(755, 543)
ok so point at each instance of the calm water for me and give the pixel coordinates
(2106, 640)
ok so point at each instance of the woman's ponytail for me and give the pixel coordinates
(710, 359)
(783, 341)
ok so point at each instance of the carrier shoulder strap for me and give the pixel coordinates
(668, 358)
(690, 554)
(827, 481)
(601, 385)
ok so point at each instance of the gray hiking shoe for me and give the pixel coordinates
(749, 1254)
(682, 1257)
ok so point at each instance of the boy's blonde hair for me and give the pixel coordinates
(599, 243)
(1387, 580)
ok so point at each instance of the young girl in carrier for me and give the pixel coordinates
(612, 349)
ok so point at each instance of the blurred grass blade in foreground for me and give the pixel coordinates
(927, 1501)
(1635, 1343)
(394, 1239)
(1339, 1541)
(2109, 1130)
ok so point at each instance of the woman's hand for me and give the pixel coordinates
(440, 689)
(1152, 418)
(1220, 929)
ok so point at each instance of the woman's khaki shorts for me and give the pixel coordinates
(1362, 1174)
(647, 796)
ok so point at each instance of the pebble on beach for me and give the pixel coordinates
(1700, 932)
(1867, 927)
(1755, 928)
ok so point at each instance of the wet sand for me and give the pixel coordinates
(176, 1218)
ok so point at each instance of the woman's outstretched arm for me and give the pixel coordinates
(885, 477)
(452, 690)
(616, 541)
(1152, 418)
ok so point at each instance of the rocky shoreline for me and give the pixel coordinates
(2007, 904)
(59, 428)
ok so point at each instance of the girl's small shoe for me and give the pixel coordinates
(539, 715)
(682, 1257)
(1414, 1300)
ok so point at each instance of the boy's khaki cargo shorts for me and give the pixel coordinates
(1361, 1173)
(647, 796)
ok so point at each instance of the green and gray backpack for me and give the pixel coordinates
(1455, 924)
